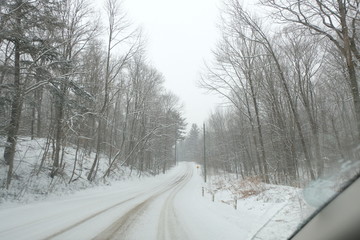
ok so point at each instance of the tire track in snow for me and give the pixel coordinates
(169, 226)
(88, 218)
(45, 220)
(127, 215)
(92, 216)
(121, 227)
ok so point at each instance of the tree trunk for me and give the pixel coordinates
(59, 113)
(263, 155)
(294, 112)
(13, 128)
(16, 106)
(91, 174)
(350, 66)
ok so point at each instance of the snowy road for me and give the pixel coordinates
(169, 206)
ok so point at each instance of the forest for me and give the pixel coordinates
(288, 78)
(76, 79)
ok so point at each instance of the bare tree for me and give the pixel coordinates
(120, 33)
(338, 21)
(26, 25)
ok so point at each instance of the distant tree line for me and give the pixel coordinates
(189, 147)
(291, 81)
(73, 79)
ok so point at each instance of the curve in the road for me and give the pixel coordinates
(120, 228)
(122, 224)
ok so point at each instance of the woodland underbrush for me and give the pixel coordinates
(229, 190)
(31, 179)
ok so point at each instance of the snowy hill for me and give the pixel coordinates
(30, 182)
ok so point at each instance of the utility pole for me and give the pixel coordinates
(204, 154)
(175, 153)
(175, 146)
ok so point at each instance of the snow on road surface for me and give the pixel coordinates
(169, 206)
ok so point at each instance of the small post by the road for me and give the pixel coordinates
(213, 197)
(235, 203)
(202, 191)
(204, 154)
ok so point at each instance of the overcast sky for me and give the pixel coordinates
(180, 36)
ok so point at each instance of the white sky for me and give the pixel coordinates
(180, 36)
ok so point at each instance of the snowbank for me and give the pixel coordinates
(30, 183)
(274, 211)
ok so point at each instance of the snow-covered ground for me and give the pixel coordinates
(167, 206)
(30, 183)
(266, 211)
